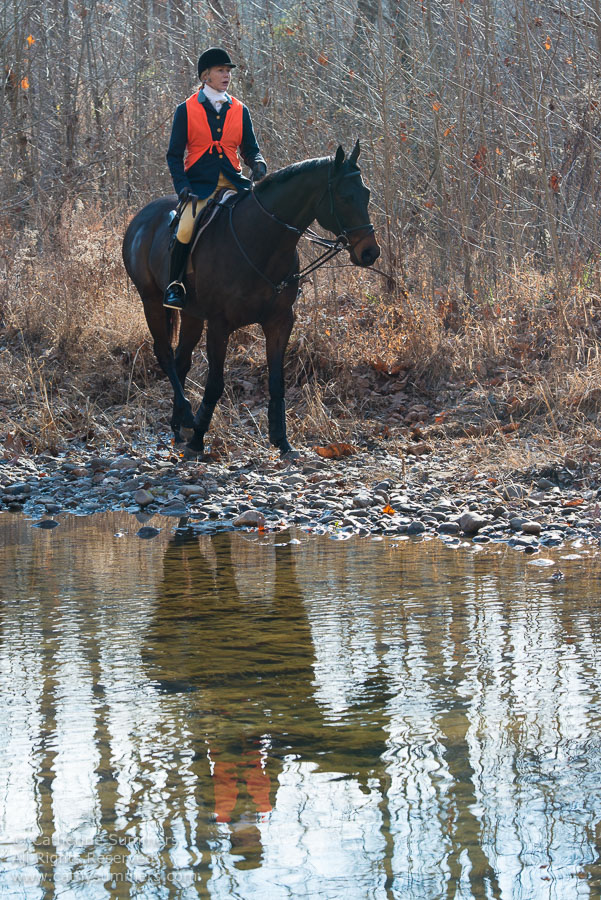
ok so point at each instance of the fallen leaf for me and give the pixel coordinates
(419, 449)
(14, 443)
(379, 365)
(577, 501)
(388, 510)
(335, 450)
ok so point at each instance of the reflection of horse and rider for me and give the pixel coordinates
(245, 670)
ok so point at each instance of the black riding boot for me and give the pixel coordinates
(175, 295)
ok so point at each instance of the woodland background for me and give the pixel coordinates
(480, 126)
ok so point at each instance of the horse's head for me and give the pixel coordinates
(343, 208)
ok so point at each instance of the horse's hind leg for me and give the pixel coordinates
(160, 321)
(217, 341)
(277, 332)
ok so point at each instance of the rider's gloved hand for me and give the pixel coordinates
(259, 171)
(187, 196)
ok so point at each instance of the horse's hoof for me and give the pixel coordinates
(192, 453)
(290, 454)
(187, 433)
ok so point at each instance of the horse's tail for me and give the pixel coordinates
(145, 256)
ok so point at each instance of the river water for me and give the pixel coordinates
(290, 716)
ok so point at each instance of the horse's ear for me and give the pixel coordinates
(355, 154)
(339, 158)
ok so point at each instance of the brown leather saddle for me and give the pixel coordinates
(222, 199)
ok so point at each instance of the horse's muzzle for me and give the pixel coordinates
(364, 251)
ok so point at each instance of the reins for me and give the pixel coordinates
(333, 248)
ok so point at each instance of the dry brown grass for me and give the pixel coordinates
(511, 375)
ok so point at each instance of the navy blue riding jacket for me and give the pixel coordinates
(202, 177)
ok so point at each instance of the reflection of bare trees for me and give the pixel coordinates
(439, 711)
(463, 826)
(480, 711)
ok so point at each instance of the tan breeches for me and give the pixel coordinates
(185, 229)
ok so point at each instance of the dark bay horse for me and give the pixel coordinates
(245, 272)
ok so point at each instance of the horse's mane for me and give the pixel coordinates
(282, 175)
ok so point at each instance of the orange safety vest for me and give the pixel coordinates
(200, 138)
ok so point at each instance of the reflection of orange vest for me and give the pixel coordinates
(228, 776)
(200, 138)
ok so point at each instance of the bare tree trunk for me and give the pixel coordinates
(544, 153)
(365, 21)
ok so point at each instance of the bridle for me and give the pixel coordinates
(332, 247)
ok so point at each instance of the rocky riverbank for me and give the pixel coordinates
(375, 492)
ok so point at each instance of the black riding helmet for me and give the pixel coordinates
(214, 56)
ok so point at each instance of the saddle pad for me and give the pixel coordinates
(205, 219)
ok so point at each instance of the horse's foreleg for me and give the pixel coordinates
(159, 323)
(190, 333)
(277, 333)
(217, 341)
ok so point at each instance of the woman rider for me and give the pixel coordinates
(209, 130)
